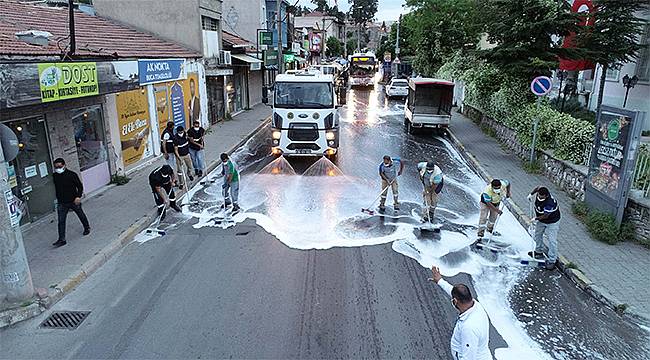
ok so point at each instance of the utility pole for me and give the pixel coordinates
(323, 42)
(279, 27)
(73, 42)
(397, 37)
(16, 286)
(345, 36)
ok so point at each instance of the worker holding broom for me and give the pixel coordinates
(432, 181)
(491, 197)
(389, 170)
(161, 181)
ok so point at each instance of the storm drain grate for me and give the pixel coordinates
(65, 320)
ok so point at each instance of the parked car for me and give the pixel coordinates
(397, 88)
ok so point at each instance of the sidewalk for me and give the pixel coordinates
(116, 212)
(620, 270)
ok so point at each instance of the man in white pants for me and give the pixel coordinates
(472, 331)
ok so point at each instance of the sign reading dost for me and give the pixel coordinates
(160, 70)
(60, 81)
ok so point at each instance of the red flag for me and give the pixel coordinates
(585, 7)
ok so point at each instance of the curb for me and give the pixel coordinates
(12, 316)
(577, 276)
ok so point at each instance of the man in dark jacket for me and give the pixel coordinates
(69, 191)
(161, 181)
(547, 222)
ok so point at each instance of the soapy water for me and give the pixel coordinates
(323, 211)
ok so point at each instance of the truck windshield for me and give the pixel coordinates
(303, 95)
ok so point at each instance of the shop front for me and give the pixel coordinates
(216, 93)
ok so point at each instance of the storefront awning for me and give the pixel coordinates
(300, 59)
(246, 58)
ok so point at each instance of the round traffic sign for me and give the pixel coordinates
(541, 85)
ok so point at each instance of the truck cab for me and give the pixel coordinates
(305, 118)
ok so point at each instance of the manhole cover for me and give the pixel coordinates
(65, 320)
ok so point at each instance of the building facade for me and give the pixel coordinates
(100, 106)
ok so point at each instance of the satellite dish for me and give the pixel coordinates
(9, 142)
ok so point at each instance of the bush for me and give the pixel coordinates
(574, 108)
(580, 209)
(481, 81)
(603, 227)
(120, 179)
(508, 100)
(566, 136)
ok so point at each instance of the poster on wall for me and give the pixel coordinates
(133, 121)
(178, 101)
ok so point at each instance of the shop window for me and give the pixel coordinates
(89, 136)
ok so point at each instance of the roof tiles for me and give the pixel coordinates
(96, 37)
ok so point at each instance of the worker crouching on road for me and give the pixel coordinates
(490, 202)
(471, 335)
(389, 170)
(161, 181)
(432, 181)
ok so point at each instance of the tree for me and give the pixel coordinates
(614, 36)
(405, 40)
(363, 11)
(321, 5)
(524, 32)
(333, 47)
(439, 28)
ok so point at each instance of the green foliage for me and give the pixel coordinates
(621, 308)
(333, 47)
(362, 11)
(523, 33)
(574, 108)
(405, 39)
(440, 28)
(566, 136)
(603, 227)
(508, 99)
(120, 179)
(580, 210)
(571, 265)
(481, 81)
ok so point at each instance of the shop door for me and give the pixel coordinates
(30, 173)
(216, 108)
(91, 147)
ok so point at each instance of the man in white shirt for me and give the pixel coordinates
(472, 331)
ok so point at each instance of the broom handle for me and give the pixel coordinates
(382, 191)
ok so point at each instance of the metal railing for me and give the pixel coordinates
(641, 178)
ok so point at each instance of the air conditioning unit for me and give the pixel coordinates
(225, 58)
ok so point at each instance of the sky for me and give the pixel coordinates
(389, 10)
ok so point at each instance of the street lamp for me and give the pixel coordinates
(628, 83)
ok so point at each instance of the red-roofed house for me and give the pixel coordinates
(100, 105)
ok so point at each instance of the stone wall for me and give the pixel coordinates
(568, 176)
(638, 213)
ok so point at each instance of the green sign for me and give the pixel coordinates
(613, 129)
(266, 38)
(60, 81)
(270, 57)
(289, 58)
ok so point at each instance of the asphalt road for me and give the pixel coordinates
(240, 292)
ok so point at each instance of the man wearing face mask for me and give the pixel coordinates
(161, 181)
(547, 221)
(69, 190)
(432, 181)
(167, 144)
(195, 136)
(490, 201)
(389, 170)
(182, 149)
(230, 183)
(472, 330)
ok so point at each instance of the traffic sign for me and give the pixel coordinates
(541, 85)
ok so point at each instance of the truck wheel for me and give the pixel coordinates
(409, 127)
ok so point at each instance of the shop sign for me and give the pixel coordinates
(11, 176)
(218, 72)
(295, 48)
(14, 214)
(612, 160)
(60, 81)
(289, 58)
(256, 66)
(315, 42)
(266, 38)
(133, 122)
(160, 70)
(270, 57)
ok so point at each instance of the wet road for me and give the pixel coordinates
(301, 273)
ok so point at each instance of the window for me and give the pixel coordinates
(303, 95)
(612, 73)
(643, 63)
(208, 23)
(89, 136)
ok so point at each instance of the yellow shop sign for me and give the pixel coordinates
(60, 81)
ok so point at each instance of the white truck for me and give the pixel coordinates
(305, 115)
